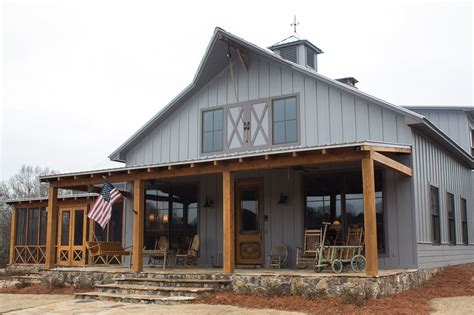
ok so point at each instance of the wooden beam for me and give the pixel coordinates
(242, 60)
(385, 149)
(228, 222)
(138, 224)
(51, 227)
(386, 161)
(370, 220)
(13, 232)
(267, 162)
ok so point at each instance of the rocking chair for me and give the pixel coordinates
(278, 256)
(305, 256)
(191, 254)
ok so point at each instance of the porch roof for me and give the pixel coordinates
(123, 174)
(45, 198)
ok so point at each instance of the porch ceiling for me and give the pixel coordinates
(262, 160)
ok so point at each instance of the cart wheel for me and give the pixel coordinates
(358, 263)
(337, 266)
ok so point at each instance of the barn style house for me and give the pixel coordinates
(258, 150)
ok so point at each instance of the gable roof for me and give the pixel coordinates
(214, 61)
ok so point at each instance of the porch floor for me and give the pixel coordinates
(238, 271)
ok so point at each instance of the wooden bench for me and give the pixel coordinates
(106, 252)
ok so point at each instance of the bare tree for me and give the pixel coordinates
(24, 184)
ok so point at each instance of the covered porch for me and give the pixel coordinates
(219, 186)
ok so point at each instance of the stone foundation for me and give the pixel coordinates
(281, 282)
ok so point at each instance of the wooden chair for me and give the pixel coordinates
(278, 256)
(160, 252)
(305, 256)
(191, 254)
(355, 237)
(106, 252)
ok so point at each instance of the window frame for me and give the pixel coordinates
(297, 120)
(433, 215)
(25, 232)
(202, 131)
(464, 224)
(313, 53)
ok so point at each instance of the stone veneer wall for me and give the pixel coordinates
(269, 284)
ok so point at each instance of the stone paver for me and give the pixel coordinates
(12, 302)
(54, 304)
(453, 305)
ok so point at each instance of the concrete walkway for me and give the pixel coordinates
(66, 304)
(453, 305)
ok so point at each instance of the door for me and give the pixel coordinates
(249, 223)
(72, 227)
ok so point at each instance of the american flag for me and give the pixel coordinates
(102, 209)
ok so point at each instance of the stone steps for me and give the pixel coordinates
(158, 288)
(140, 289)
(32, 279)
(195, 283)
(135, 298)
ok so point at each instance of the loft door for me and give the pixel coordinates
(72, 227)
(249, 223)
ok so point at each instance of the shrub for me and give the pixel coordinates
(55, 282)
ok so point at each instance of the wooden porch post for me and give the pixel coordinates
(11, 259)
(370, 221)
(51, 227)
(228, 221)
(138, 224)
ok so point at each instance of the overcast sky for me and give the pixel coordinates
(79, 77)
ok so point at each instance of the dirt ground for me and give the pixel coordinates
(454, 281)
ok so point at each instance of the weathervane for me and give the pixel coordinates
(294, 24)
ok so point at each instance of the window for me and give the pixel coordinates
(113, 230)
(339, 197)
(465, 239)
(310, 57)
(212, 136)
(172, 211)
(451, 219)
(31, 226)
(284, 120)
(435, 227)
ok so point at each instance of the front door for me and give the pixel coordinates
(248, 223)
(72, 227)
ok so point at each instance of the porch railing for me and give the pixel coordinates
(30, 254)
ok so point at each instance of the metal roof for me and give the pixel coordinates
(229, 156)
(115, 156)
(45, 198)
(292, 40)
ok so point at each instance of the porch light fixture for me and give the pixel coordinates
(207, 203)
(151, 217)
(165, 218)
(283, 199)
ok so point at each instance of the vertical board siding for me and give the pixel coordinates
(453, 123)
(328, 115)
(434, 166)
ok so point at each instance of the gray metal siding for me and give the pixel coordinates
(453, 123)
(434, 166)
(328, 115)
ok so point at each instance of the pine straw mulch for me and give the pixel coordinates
(452, 281)
(41, 289)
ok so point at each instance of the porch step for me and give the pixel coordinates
(134, 289)
(32, 279)
(135, 298)
(194, 283)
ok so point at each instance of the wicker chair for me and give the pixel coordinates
(305, 256)
(278, 257)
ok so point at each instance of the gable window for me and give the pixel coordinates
(465, 240)
(284, 120)
(435, 227)
(451, 219)
(212, 136)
